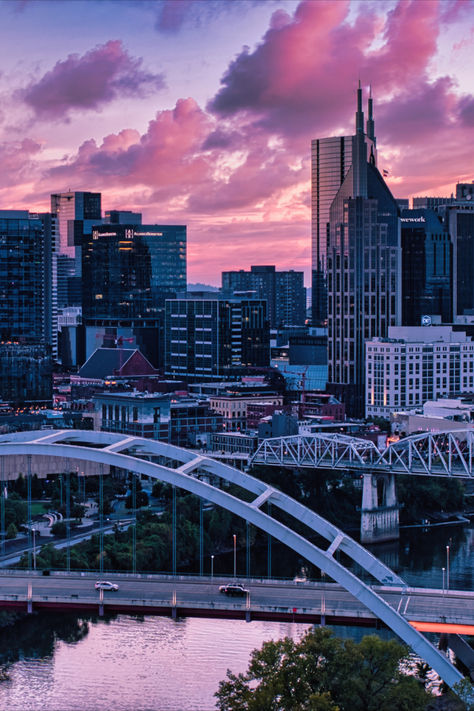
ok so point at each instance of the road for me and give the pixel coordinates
(278, 597)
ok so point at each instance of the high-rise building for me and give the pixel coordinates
(27, 277)
(363, 263)
(459, 221)
(426, 267)
(128, 272)
(211, 337)
(331, 159)
(123, 217)
(457, 215)
(28, 316)
(76, 212)
(283, 291)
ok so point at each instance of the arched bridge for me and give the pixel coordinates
(445, 454)
(206, 478)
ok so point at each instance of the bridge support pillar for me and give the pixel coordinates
(379, 515)
(29, 607)
(101, 610)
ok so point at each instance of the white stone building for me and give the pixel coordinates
(416, 364)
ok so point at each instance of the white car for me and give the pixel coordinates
(106, 585)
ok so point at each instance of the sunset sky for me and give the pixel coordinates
(202, 111)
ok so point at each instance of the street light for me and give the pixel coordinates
(444, 571)
(235, 555)
(447, 567)
(33, 531)
(212, 566)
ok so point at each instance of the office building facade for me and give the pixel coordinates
(414, 365)
(331, 159)
(77, 212)
(283, 290)
(27, 277)
(363, 263)
(215, 338)
(128, 272)
(426, 267)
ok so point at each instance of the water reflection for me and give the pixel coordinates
(150, 663)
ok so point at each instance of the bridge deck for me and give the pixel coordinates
(428, 610)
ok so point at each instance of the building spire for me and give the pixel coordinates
(359, 113)
(370, 120)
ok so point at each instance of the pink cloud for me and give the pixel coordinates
(99, 76)
(18, 161)
(238, 173)
(301, 77)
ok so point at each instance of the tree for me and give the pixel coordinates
(11, 531)
(324, 673)
(59, 529)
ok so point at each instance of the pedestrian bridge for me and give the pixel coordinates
(208, 479)
(444, 454)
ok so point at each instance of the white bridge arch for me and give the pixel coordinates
(134, 454)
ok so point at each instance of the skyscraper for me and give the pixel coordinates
(212, 338)
(426, 267)
(284, 292)
(363, 263)
(128, 272)
(331, 159)
(27, 277)
(75, 207)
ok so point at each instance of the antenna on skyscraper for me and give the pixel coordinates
(370, 119)
(359, 113)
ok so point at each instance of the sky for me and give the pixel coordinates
(201, 112)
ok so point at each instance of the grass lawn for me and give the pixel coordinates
(39, 507)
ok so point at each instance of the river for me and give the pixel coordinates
(65, 663)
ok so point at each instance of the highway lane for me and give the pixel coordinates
(420, 604)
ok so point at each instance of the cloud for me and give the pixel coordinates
(18, 161)
(89, 81)
(173, 15)
(238, 172)
(303, 74)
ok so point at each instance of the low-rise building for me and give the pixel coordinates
(178, 420)
(443, 415)
(233, 408)
(416, 364)
(321, 404)
(233, 442)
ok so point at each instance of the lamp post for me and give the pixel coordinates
(33, 531)
(444, 570)
(447, 567)
(212, 566)
(235, 555)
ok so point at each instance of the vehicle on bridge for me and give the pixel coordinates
(106, 585)
(235, 590)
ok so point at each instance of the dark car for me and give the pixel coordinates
(234, 590)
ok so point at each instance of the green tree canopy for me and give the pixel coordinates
(324, 673)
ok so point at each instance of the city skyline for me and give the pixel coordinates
(202, 113)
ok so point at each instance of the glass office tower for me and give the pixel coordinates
(331, 159)
(283, 291)
(127, 273)
(26, 280)
(426, 267)
(363, 266)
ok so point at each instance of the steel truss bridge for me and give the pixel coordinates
(208, 479)
(445, 454)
